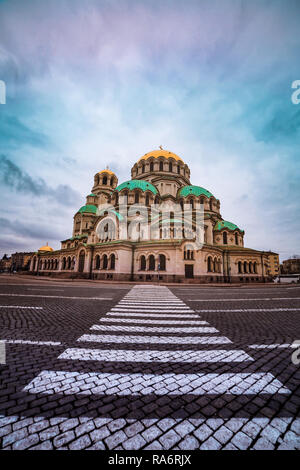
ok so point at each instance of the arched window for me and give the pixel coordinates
(111, 180)
(151, 263)
(255, 267)
(97, 262)
(161, 166)
(104, 181)
(112, 261)
(69, 263)
(143, 263)
(64, 263)
(143, 167)
(240, 267)
(147, 200)
(201, 200)
(156, 200)
(178, 169)
(136, 197)
(162, 262)
(209, 264)
(181, 204)
(81, 261)
(170, 167)
(236, 238)
(210, 205)
(224, 238)
(215, 266)
(73, 263)
(250, 267)
(192, 203)
(151, 166)
(245, 267)
(105, 262)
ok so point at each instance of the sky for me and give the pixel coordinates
(95, 83)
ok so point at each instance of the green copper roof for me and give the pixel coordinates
(137, 184)
(195, 190)
(88, 208)
(225, 224)
(92, 194)
(112, 211)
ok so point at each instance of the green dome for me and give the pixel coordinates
(225, 224)
(88, 208)
(137, 184)
(92, 194)
(195, 190)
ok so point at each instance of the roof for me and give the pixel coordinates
(137, 184)
(88, 208)
(195, 190)
(92, 194)
(106, 171)
(225, 224)
(46, 248)
(160, 153)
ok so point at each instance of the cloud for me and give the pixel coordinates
(17, 179)
(103, 82)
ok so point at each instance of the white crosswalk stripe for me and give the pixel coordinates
(155, 339)
(49, 382)
(154, 329)
(218, 355)
(144, 321)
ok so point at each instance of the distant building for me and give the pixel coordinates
(273, 266)
(291, 265)
(21, 261)
(5, 263)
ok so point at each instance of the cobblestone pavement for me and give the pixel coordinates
(94, 366)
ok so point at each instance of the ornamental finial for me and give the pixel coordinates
(160, 147)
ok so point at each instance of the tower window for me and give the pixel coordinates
(170, 167)
(161, 166)
(224, 238)
(151, 166)
(104, 181)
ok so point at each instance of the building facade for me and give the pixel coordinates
(273, 266)
(291, 266)
(109, 242)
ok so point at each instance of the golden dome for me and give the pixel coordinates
(106, 171)
(161, 153)
(45, 248)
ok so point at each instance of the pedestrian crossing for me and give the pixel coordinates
(153, 318)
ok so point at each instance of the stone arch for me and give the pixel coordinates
(162, 262)
(97, 261)
(112, 261)
(143, 264)
(104, 261)
(151, 262)
(81, 261)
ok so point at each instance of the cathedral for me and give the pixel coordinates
(157, 226)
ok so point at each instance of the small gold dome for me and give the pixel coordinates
(46, 248)
(161, 153)
(106, 171)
